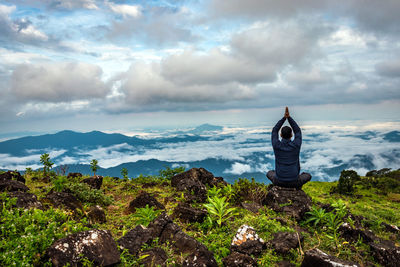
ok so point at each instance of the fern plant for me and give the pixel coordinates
(317, 216)
(146, 215)
(218, 209)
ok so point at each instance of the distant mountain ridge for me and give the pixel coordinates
(74, 145)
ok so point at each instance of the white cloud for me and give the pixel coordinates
(58, 82)
(31, 32)
(125, 10)
(21, 162)
(238, 168)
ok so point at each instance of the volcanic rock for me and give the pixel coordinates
(154, 257)
(94, 182)
(26, 200)
(283, 242)
(291, 201)
(316, 257)
(12, 186)
(237, 259)
(142, 200)
(95, 245)
(62, 199)
(200, 258)
(247, 241)
(189, 214)
(12, 175)
(385, 252)
(96, 214)
(135, 238)
(193, 182)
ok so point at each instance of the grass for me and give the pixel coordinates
(374, 207)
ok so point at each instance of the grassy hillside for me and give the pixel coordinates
(28, 233)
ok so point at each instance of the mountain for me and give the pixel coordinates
(70, 139)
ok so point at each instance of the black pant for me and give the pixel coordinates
(303, 178)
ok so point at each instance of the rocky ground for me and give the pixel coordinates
(192, 219)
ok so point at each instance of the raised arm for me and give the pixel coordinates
(275, 130)
(296, 130)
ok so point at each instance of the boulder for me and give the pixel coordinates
(291, 201)
(167, 231)
(316, 257)
(26, 200)
(193, 183)
(154, 257)
(200, 258)
(94, 182)
(96, 214)
(142, 200)
(247, 241)
(12, 186)
(237, 259)
(283, 242)
(351, 234)
(385, 252)
(199, 174)
(74, 175)
(135, 239)
(188, 214)
(95, 245)
(391, 228)
(62, 199)
(12, 175)
(163, 229)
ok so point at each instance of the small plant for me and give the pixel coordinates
(317, 216)
(218, 209)
(214, 192)
(146, 215)
(333, 222)
(124, 173)
(228, 191)
(94, 166)
(60, 183)
(47, 164)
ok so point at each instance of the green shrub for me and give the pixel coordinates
(346, 182)
(60, 183)
(26, 234)
(88, 195)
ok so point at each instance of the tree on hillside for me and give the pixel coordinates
(124, 173)
(94, 166)
(47, 164)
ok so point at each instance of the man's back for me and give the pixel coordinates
(287, 152)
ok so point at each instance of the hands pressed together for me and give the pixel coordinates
(287, 114)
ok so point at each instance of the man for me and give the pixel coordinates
(287, 152)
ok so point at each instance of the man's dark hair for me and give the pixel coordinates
(286, 132)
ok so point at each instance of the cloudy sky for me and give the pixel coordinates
(112, 65)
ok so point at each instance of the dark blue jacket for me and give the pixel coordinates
(287, 152)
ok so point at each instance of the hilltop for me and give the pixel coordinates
(192, 218)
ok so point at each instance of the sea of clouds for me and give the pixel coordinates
(325, 148)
